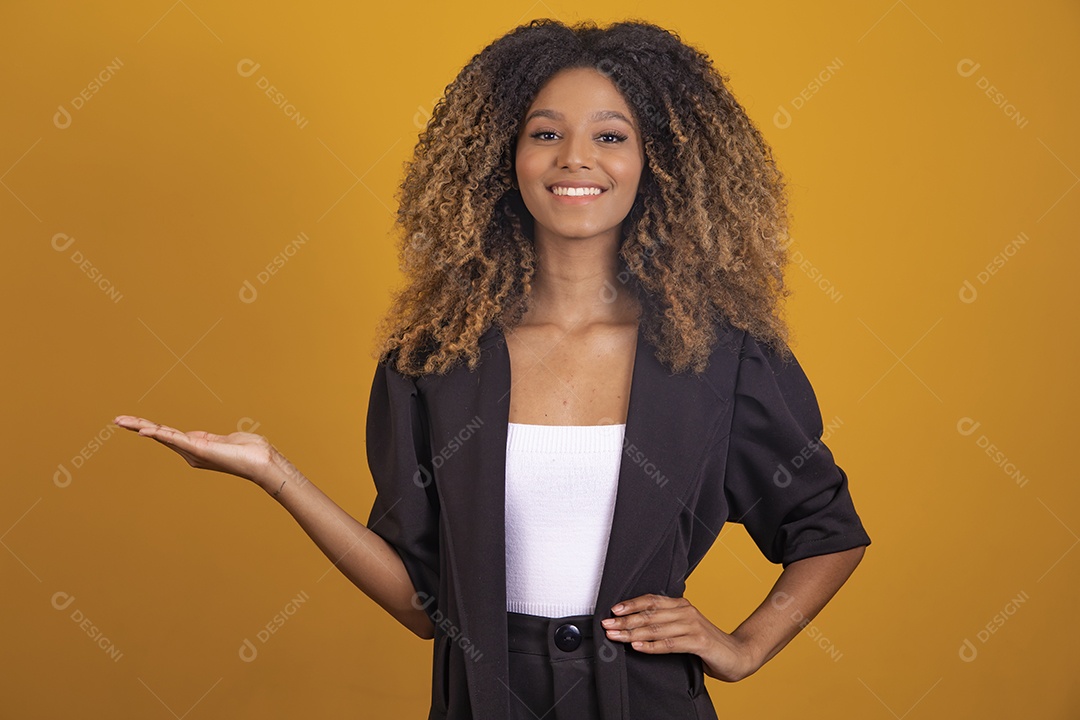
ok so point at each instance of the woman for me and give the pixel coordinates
(591, 212)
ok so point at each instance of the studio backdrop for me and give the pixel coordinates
(198, 202)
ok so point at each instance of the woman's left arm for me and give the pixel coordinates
(659, 624)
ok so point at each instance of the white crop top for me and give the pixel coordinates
(561, 482)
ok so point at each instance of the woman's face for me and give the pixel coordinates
(579, 133)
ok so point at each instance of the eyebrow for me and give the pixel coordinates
(595, 117)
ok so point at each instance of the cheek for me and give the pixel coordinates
(527, 164)
(626, 168)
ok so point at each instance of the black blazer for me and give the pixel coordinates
(739, 442)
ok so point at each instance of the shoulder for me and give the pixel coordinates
(737, 354)
(728, 350)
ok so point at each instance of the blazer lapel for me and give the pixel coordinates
(668, 419)
(474, 407)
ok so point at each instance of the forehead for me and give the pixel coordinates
(579, 88)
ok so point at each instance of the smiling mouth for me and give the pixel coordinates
(575, 191)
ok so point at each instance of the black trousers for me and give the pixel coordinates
(552, 662)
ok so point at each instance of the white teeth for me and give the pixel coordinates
(558, 190)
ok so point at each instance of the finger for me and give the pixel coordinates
(635, 604)
(625, 610)
(168, 435)
(203, 435)
(662, 646)
(158, 433)
(647, 603)
(137, 423)
(131, 422)
(653, 618)
(666, 637)
(656, 617)
(159, 426)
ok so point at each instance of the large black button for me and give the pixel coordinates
(567, 637)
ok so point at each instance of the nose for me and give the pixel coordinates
(576, 151)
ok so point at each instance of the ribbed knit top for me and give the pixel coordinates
(561, 483)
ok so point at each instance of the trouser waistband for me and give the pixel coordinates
(539, 635)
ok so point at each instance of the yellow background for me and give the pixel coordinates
(180, 180)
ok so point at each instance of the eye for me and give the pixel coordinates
(617, 137)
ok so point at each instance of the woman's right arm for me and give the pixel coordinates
(368, 561)
(365, 558)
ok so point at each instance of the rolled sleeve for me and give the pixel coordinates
(405, 512)
(782, 483)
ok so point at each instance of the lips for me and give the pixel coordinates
(576, 184)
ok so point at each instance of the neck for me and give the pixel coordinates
(577, 283)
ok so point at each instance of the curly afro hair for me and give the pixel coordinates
(705, 242)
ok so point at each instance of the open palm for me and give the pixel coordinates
(245, 455)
